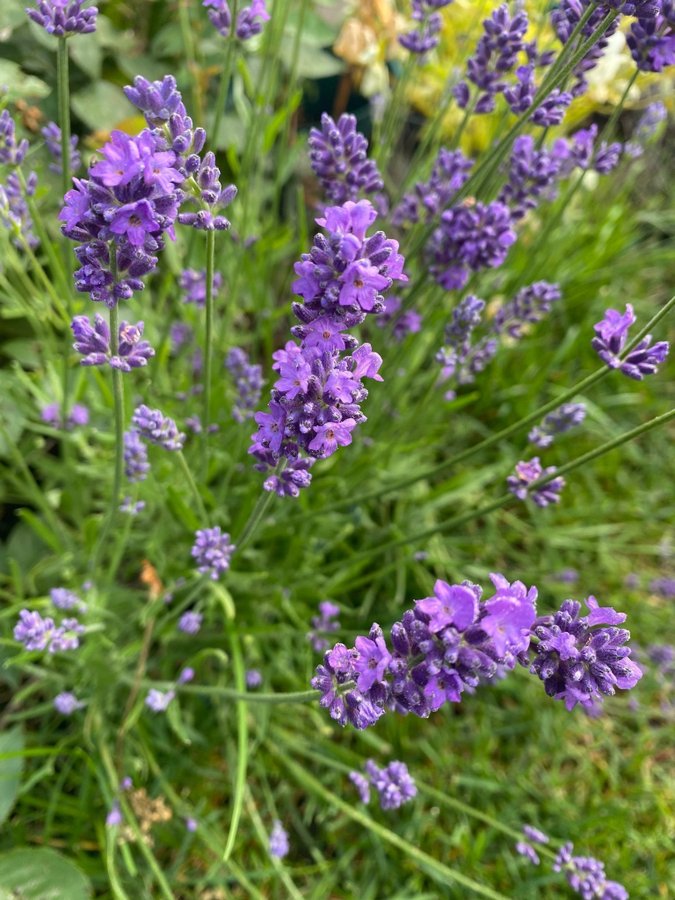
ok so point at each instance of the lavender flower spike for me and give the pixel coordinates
(67, 703)
(212, 551)
(52, 135)
(610, 340)
(338, 154)
(157, 428)
(136, 465)
(586, 876)
(393, 784)
(94, 344)
(158, 701)
(528, 471)
(567, 416)
(279, 846)
(63, 18)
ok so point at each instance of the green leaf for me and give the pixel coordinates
(312, 63)
(12, 15)
(19, 85)
(98, 98)
(86, 52)
(10, 770)
(41, 530)
(181, 510)
(42, 874)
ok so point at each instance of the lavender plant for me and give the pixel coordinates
(162, 604)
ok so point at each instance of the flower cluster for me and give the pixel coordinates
(212, 552)
(190, 622)
(63, 18)
(325, 623)
(193, 284)
(53, 415)
(528, 307)
(565, 18)
(67, 703)
(136, 465)
(424, 37)
(651, 38)
(250, 19)
(12, 152)
(582, 658)
(469, 238)
(156, 428)
(38, 633)
(248, 381)
(567, 416)
(586, 876)
(525, 848)
(449, 643)
(316, 400)
(52, 135)
(62, 598)
(14, 212)
(93, 342)
(527, 472)
(393, 783)
(209, 193)
(610, 340)
(158, 701)
(279, 845)
(338, 154)
(428, 198)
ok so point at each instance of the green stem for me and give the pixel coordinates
(225, 77)
(63, 89)
(189, 478)
(253, 521)
(208, 350)
(190, 56)
(204, 690)
(242, 747)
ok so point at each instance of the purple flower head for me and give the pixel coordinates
(53, 415)
(532, 174)
(14, 212)
(191, 824)
(528, 307)
(586, 876)
(193, 284)
(250, 19)
(393, 784)
(469, 239)
(136, 465)
(36, 633)
(190, 622)
(534, 835)
(52, 135)
(186, 675)
(651, 38)
(402, 323)
(338, 154)
(209, 194)
(12, 152)
(156, 428)
(580, 659)
(62, 598)
(528, 851)
(324, 623)
(158, 701)
(278, 844)
(67, 703)
(510, 615)
(362, 785)
(529, 471)
(371, 660)
(454, 605)
(565, 18)
(429, 198)
(663, 586)
(253, 679)
(567, 416)
(424, 36)
(248, 380)
(610, 340)
(114, 816)
(94, 344)
(212, 551)
(63, 18)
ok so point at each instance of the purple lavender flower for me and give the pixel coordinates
(63, 18)
(393, 784)
(126, 206)
(528, 307)
(191, 824)
(647, 127)
(158, 701)
(250, 19)
(67, 703)
(190, 622)
(586, 876)
(402, 323)
(609, 342)
(338, 154)
(664, 586)
(316, 401)
(324, 623)
(62, 598)
(212, 551)
(564, 18)
(567, 416)
(651, 38)
(186, 675)
(248, 381)
(180, 335)
(428, 198)
(424, 37)
(136, 465)
(157, 428)
(469, 239)
(253, 679)
(12, 153)
(52, 415)
(578, 661)
(447, 644)
(36, 633)
(496, 54)
(114, 816)
(528, 851)
(211, 196)
(533, 834)
(14, 212)
(52, 135)
(362, 785)
(532, 174)
(193, 284)
(529, 471)
(279, 846)
(94, 344)
(131, 507)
